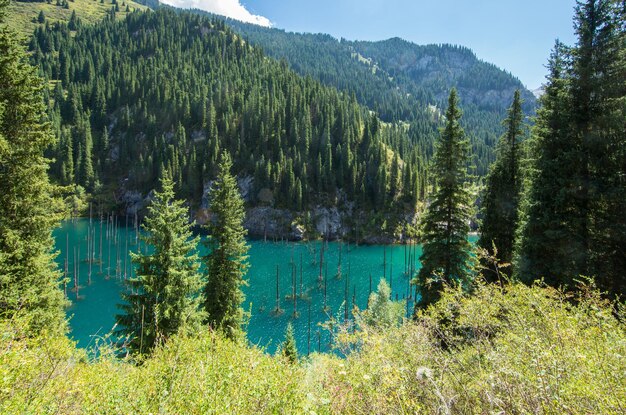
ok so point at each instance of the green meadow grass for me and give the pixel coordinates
(22, 16)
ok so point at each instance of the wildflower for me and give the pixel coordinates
(424, 373)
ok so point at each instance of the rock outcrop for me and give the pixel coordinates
(338, 219)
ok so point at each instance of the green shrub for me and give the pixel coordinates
(517, 350)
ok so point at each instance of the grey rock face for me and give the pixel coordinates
(135, 202)
(269, 223)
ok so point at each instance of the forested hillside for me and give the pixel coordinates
(398, 80)
(167, 91)
(402, 81)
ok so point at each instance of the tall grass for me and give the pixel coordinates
(515, 349)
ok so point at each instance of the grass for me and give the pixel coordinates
(204, 374)
(514, 350)
(22, 16)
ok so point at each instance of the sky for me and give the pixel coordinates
(516, 35)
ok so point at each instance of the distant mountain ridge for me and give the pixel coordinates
(438, 67)
(403, 82)
(426, 72)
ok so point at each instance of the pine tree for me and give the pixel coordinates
(227, 261)
(103, 146)
(164, 297)
(289, 349)
(587, 84)
(73, 23)
(29, 277)
(500, 201)
(66, 155)
(446, 251)
(395, 177)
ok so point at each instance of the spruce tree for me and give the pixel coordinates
(598, 113)
(500, 200)
(587, 88)
(446, 251)
(165, 295)
(573, 221)
(87, 175)
(29, 209)
(547, 243)
(289, 349)
(226, 262)
(610, 262)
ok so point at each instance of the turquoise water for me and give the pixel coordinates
(94, 306)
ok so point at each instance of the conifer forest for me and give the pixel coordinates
(202, 212)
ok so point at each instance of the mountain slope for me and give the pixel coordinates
(398, 80)
(164, 92)
(405, 73)
(401, 81)
(25, 14)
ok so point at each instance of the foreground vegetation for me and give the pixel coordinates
(514, 350)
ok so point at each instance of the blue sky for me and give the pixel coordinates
(516, 35)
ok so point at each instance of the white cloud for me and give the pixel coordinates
(229, 8)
